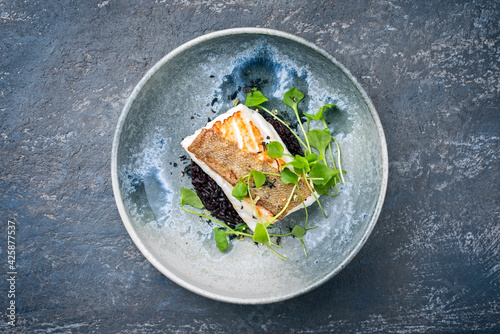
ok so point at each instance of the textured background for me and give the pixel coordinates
(433, 72)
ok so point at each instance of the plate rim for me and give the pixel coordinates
(120, 203)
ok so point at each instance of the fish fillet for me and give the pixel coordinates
(232, 145)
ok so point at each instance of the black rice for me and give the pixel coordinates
(211, 193)
(212, 196)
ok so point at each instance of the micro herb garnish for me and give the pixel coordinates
(320, 116)
(287, 176)
(320, 139)
(275, 149)
(255, 98)
(292, 99)
(321, 174)
(220, 238)
(189, 197)
(312, 169)
(240, 190)
(259, 178)
(260, 234)
(299, 164)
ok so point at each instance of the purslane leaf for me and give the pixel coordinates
(322, 174)
(260, 234)
(189, 197)
(259, 178)
(311, 157)
(298, 231)
(320, 114)
(255, 98)
(240, 190)
(293, 97)
(220, 238)
(319, 139)
(275, 150)
(299, 164)
(287, 176)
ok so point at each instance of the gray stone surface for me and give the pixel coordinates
(433, 72)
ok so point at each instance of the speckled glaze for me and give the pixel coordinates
(198, 81)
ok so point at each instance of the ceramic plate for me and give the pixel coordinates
(193, 84)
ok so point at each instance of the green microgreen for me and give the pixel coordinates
(260, 234)
(255, 98)
(321, 174)
(189, 197)
(220, 238)
(299, 164)
(313, 169)
(275, 150)
(292, 99)
(320, 139)
(299, 232)
(287, 176)
(241, 227)
(259, 178)
(319, 116)
(240, 190)
(311, 157)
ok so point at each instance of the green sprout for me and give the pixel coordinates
(314, 170)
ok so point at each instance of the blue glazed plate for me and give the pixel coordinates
(193, 84)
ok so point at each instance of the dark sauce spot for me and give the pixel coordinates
(187, 170)
(246, 90)
(233, 96)
(270, 184)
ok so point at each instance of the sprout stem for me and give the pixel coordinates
(218, 222)
(284, 208)
(338, 157)
(275, 253)
(288, 127)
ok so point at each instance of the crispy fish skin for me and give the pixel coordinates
(226, 159)
(245, 134)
